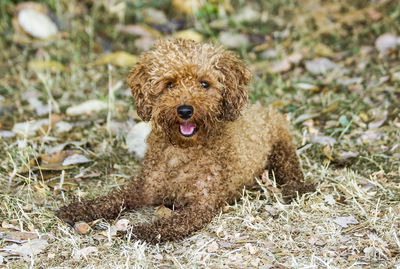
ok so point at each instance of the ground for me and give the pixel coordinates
(331, 67)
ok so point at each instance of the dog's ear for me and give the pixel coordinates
(236, 78)
(138, 81)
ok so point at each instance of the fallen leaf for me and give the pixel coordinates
(144, 43)
(36, 24)
(119, 58)
(377, 123)
(87, 108)
(10, 225)
(307, 86)
(314, 240)
(280, 66)
(371, 136)
(347, 155)
(62, 127)
(247, 14)
(27, 249)
(187, 7)
(39, 107)
(136, 139)
(345, 221)
(189, 35)
(58, 160)
(213, 247)
(29, 128)
(322, 139)
(386, 42)
(295, 57)
(320, 66)
(122, 225)
(272, 211)
(138, 30)
(52, 66)
(154, 16)
(323, 50)
(329, 199)
(84, 253)
(75, 159)
(17, 236)
(233, 40)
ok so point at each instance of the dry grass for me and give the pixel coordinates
(258, 231)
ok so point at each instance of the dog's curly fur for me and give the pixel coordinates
(234, 142)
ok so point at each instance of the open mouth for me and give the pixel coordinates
(188, 129)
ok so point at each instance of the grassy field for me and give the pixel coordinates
(333, 67)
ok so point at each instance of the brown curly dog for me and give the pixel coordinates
(206, 143)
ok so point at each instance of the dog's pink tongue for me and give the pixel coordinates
(187, 128)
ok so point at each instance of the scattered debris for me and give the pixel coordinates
(87, 108)
(344, 222)
(320, 66)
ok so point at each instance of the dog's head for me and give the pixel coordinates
(189, 88)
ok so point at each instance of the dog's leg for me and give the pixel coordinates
(284, 163)
(179, 225)
(130, 196)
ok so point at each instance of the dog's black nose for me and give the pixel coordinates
(185, 112)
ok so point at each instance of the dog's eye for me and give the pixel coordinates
(205, 85)
(170, 85)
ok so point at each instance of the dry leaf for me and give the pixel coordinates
(314, 240)
(329, 199)
(122, 225)
(233, 40)
(29, 128)
(322, 139)
(144, 43)
(119, 58)
(7, 225)
(187, 7)
(28, 249)
(345, 221)
(36, 24)
(189, 35)
(58, 160)
(84, 253)
(307, 86)
(138, 30)
(154, 16)
(386, 42)
(348, 155)
(63, 127)
(280, 66)
(213, 247)
(87, 108)
(320, 66)
(52, 66)
(295, 57)
(75, 159)
(17, 237)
